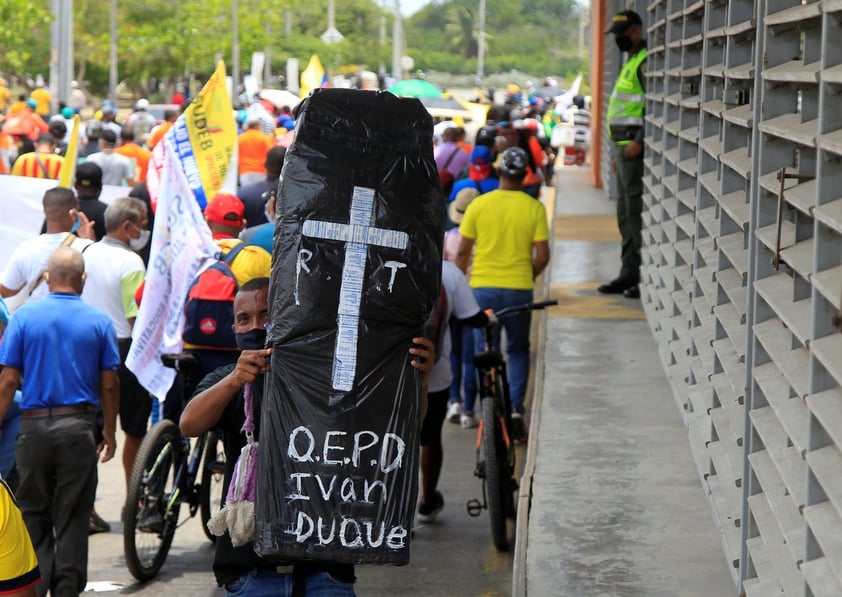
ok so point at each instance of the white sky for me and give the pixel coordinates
(410, 6)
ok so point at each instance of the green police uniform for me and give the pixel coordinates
(625, 124)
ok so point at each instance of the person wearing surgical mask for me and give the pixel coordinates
(65, 224)
(625, 117)
(115, 271)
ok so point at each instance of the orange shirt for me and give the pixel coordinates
(253, 146)
(158, 133)
(5, 145)
(25, 124)
(27, 165)
(141, 158)
(533, 176)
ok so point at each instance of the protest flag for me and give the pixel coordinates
(68, 170)
(313, 76)
(181, 248)
(204, 139)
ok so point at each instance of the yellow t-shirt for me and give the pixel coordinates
(504, 226)
(18, 564)
(43, 97)
(251, 262)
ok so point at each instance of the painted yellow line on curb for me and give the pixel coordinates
(582, 300)
(586, 227)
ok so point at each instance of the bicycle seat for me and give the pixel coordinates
(180, 361)
(488, 359)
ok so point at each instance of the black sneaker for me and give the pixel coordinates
(97, 525)
(150, 520)
(617, 286)
(633, 292)
(428, 513)
(519, 432)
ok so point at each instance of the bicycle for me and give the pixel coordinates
(169, 472)
(495, 449)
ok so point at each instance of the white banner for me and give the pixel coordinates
(25, 220)
(182, 247)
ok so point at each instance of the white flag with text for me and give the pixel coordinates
(181, 247)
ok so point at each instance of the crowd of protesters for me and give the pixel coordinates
(81, 281)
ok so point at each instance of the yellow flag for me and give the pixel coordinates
(213, 132)
(68, 170)
(312, 77)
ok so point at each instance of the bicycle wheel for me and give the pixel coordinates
(508, 450)
(213, 473)
(148, 526)
(496, 475)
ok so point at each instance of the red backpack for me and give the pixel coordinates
(209, 309)
(446, 178)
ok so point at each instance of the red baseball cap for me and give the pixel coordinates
(225, 209)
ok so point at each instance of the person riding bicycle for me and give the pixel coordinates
(225, 215)
(510, 231)
(459, 303)
(219, 403)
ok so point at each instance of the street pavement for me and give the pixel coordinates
(610, 503)
(451, 556)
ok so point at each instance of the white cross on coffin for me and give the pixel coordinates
(358, 234)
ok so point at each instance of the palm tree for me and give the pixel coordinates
(461, 30)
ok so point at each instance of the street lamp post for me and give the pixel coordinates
(235, 50)
(112, 55)
(397, 42)
(481, 44)
(61, 51)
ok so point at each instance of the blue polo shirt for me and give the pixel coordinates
(60, 345)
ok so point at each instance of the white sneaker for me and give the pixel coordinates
(454, 409)
(467, 421)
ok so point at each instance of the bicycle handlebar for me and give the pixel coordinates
(527, 307)
(180, 361)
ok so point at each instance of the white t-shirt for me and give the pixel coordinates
(29, 260)
(462, 304)
(116, 168)
(114, 274)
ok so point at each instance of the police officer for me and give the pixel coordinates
(625, 129)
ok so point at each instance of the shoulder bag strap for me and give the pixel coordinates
(42, 166)
(68, 240)
(452, 155)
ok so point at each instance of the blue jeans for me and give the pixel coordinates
(517, 343)
(268, 583)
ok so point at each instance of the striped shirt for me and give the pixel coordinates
(27, 165)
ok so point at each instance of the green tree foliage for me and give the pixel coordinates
(528, 35)
(24, 24)
(170, 39)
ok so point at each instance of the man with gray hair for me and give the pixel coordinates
(115, 271)
(64, 355)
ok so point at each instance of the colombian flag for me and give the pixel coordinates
(313, 77)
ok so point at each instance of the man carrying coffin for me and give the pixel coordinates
(220, 402)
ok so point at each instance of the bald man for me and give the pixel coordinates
(64, 352)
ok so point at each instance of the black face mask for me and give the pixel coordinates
(624, 42)
(251, 340)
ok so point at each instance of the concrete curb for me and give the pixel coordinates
(524, 503)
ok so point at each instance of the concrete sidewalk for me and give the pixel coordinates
(611, 503)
